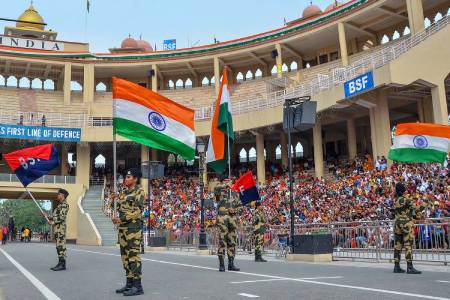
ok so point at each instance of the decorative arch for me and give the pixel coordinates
(427, 22)
(294, 66)
(249, 75)
(438, 17)
(50, 84)
(36, 83)
(213, 81)
(308, 65)
(180, 159)
(396, 35)
(406, 31)
(278, 152)
(100, 161)
(284, 68)
(188, 83)
(179, 84)
(205, 81)
(252, 154)
(384, 39)
(11, 81)
(24, 82)
(75, 86)
(171, 159)
(100, 87)
(299, 151)
(258, 73)
(2, 80)
(274, 70)
(171, 85)
(239, 77)
(243, 156)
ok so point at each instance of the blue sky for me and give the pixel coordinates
(110, 21)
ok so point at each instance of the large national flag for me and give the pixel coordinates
(30, 164)
(420, 143)
(153, 120)
(246, 187)
(221, 129)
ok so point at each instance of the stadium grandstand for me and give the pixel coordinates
(368, 64)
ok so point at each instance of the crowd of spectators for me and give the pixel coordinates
(361, 190)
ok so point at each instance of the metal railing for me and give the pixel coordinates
(50, 119)
(373, 240)
(61, 179)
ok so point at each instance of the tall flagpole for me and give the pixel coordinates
(114, 159)
(37, 204)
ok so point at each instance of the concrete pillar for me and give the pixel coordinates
(144, 157)
(217, 74)
(351, 139)
(64, 163)
(154, 154)
(67, 82)
(284, 151)
(155, 78)
(415, 15)
(420, 111)
(428, 109)
(279, 61)
(343, 43)
(373, 133)
(439, 100)
(83, 169)
(382, 125)
(88, 83)
(318, 150)
(260, 161)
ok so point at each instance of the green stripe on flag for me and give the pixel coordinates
(225, 122)
(413, 155)
(155, 139)
(220, 165)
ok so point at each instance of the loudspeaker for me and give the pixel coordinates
(313, 244)
(151, 73)
(157, 241)
(302, 117)
(274, 54)
(1, 156)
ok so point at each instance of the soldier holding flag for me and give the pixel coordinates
(58, 220)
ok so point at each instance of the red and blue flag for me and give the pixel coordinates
(30, 164)
(246, 187)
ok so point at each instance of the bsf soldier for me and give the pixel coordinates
(129, 220)
(404, 210)
(259, 228)
(58, 220)
(226, 211)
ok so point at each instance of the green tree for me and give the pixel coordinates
(24, 212)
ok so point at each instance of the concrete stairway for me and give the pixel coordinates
(92, 204)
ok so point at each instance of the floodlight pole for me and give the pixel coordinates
(289, 104)
(202, 245)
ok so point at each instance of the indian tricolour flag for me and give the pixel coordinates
(153, 120)
(420, 143)
(222, 135)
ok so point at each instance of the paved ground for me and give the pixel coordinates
(95, 272)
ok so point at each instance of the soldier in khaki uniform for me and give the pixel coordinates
(130, 207)
(58, 220)
(259, 228)
(226, 214)
(404, 210)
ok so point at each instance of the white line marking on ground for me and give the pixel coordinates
(278, 279)
(353, 287)
(39, 285)
(443, 281)
(248, 295)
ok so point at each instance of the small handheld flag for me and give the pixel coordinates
(246, 187)
(30, 164)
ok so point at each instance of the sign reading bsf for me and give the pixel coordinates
(359, 85)
(40, 133)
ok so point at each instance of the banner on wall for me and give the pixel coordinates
(39, 133)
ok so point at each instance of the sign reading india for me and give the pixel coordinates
(359, 85)
(40, 133)
(30, 43)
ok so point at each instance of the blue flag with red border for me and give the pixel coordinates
(246, 187)
(30, 164)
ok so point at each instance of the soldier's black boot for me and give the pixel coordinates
(397, 268)
(61, 265)
(221, 264)
(136, 289)
(231, 266)
(57, 266)
(127, 286)
(258, 257)
(411, 270)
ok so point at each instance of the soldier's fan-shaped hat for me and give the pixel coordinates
(64, 192)
(135, 172)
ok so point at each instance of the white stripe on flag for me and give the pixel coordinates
(435, 143)
(132, 111)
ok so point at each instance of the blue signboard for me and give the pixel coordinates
(170, 44)
(359, 85)
(40, 133)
